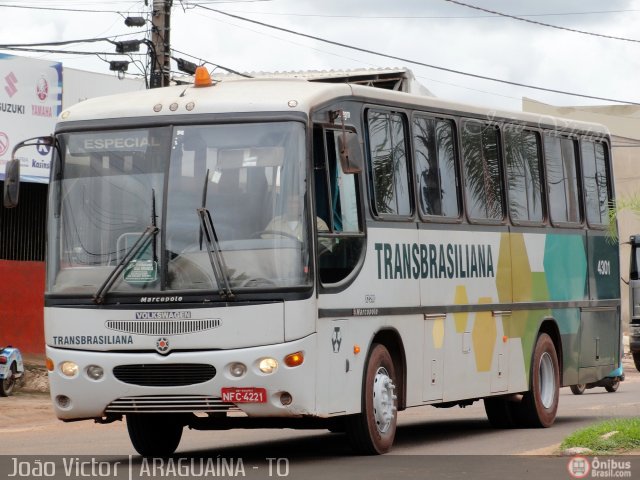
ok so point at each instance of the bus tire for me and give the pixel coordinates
(372, 431)
(154, 435)
(540, 404)
(578, 389)
(500, 412)
(613, 386)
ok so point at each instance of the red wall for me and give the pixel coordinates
(22, 305)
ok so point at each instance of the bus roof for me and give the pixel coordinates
(284, 95)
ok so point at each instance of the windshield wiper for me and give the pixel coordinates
(208, 232)
(216, 259)
(141, 243)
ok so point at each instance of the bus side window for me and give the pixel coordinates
(341, 243)
(523, 158)
(436, 172)
(480, 153)
(390, 174)
(562, 177)
(596, 185)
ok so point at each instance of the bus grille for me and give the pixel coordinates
(167, 375)
(170, 404)
(163, 327)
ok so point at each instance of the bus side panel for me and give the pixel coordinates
(466, 269)
(549, 268)
(565, 265)
(385, 282)
(603, 267)
(341, 367)
(600, 347)
(529, 285)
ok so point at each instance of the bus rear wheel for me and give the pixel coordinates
(578, 389)
(613, 386)
(154, 435)
(540, 404)
(372, 431)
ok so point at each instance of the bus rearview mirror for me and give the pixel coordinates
(350, 152)
(12, 183)
(12, 169)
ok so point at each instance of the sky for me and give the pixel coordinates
(434, 32)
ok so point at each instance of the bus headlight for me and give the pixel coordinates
(268, 365)
(94, 372)
(69, 369)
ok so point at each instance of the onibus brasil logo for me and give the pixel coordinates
(581, 467)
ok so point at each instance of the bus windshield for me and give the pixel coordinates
(109, 187)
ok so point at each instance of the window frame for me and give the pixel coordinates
(371, 200)
(543, 178)
(416, 114)
(322, 129)
(609, 186)
(578, 163)
(501, 174)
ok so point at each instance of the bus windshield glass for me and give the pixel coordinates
(111, 186)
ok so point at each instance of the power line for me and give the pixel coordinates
(535, 22)
(70, 52)
(202, 60)
(326, 52)
(64, 9)
(68, 42)
(422, 64)
(429, 17)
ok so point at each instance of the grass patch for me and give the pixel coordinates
(627, 438)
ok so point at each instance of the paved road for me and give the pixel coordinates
(422, 432)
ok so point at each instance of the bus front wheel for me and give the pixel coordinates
(154, 435)
(540, 404)
(372, 431)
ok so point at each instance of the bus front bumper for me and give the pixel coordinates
(80, 396)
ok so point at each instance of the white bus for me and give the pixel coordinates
(281, 253)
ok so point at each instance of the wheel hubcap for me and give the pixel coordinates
(384, 400)
(547, 380)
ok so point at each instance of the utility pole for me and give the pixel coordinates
(161, 50)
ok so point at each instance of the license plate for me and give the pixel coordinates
(244, 395)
